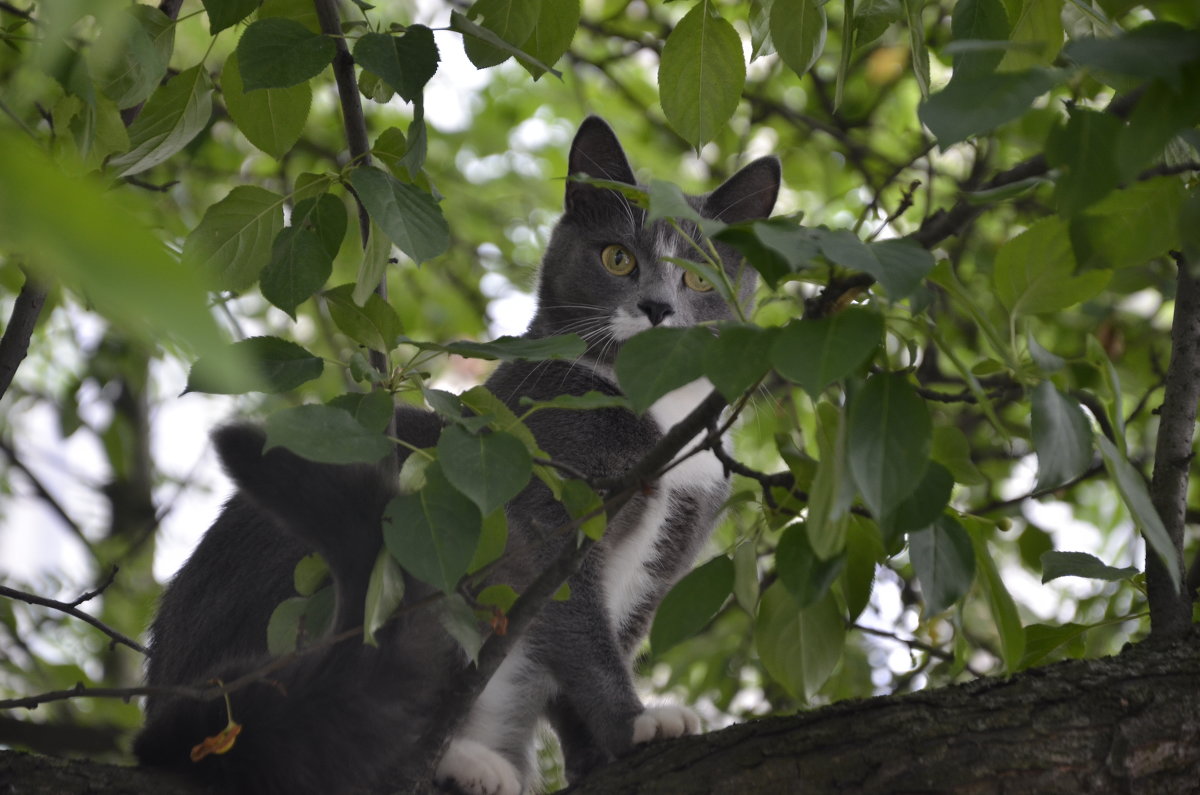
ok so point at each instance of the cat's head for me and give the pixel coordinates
(606, 274)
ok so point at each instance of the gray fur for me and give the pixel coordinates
(347, 717)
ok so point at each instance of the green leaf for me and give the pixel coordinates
(407, 214)
(1132, 488)
(227, 13)
(512, 349)
(405, 62)
(667, 200)
(659, 360)
(1041, 640)
(1057, 564)
(889, 441)
(701, 74)
(501, 597)
(775, 248)
(1034, 272)
(141, 64)
(1039, 31)
(832, 490)
(375, 324)
(272, 365)
(325, 434)
(87, 238)
(974, 104)
(689, 606)
(738, 358)
(232, 242)
(745, 576)
(800, 648)
(373, 409)
(1085, 151)
(588, 401)
(490, 468)
(580, 500)
(433, 533)
(272, 119)
(279, 52)
(1156, 49)
(903, 264)
(373, 268)
(952, 450)
(864, 549)
(1062, 437)
(298, 621)
(493, 539)
(1126, 229)
(798, 30)
(944, 562)
(923, 507)
(1000, 601)
(302, 255)
(511, 20)
(385, 592)
(461, 623)
(916, 44)
(470, 31)
(816, 353)
(311, 573)
(873, 17)
(978, 20)
(171, 118)
(805, 575)
(552, 34)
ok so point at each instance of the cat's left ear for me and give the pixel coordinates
(747, 195)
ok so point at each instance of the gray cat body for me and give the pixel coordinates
(573, 665)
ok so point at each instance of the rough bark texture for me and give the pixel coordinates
(1124, 724)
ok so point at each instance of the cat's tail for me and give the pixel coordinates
(336, 716)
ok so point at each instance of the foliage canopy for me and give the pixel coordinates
(950, 369)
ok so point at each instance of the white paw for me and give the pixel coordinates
(657, 723)
(477, 770)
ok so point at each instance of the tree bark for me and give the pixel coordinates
(1129, 723)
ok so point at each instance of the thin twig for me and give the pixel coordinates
(87, 596)
(44, 494)
(932, 651)
(17, 12)
(71, 610)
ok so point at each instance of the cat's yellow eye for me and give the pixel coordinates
(618, 260)
(697, 282)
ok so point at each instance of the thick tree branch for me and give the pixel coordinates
(1123, 724)
(1171, 607)
(1129, 723)
(14, 345)
(356, 139)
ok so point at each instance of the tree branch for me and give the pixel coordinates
(1171, 607)
(14, 345)
(72, 610)
(356, 139)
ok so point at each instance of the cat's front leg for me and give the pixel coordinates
(662, 722)
(472, 768)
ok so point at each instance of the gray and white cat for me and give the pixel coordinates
(346, 717)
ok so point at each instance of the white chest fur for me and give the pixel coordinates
(627, 579)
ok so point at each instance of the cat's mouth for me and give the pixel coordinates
(625, 324)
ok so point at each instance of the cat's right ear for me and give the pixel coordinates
(596, 153)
